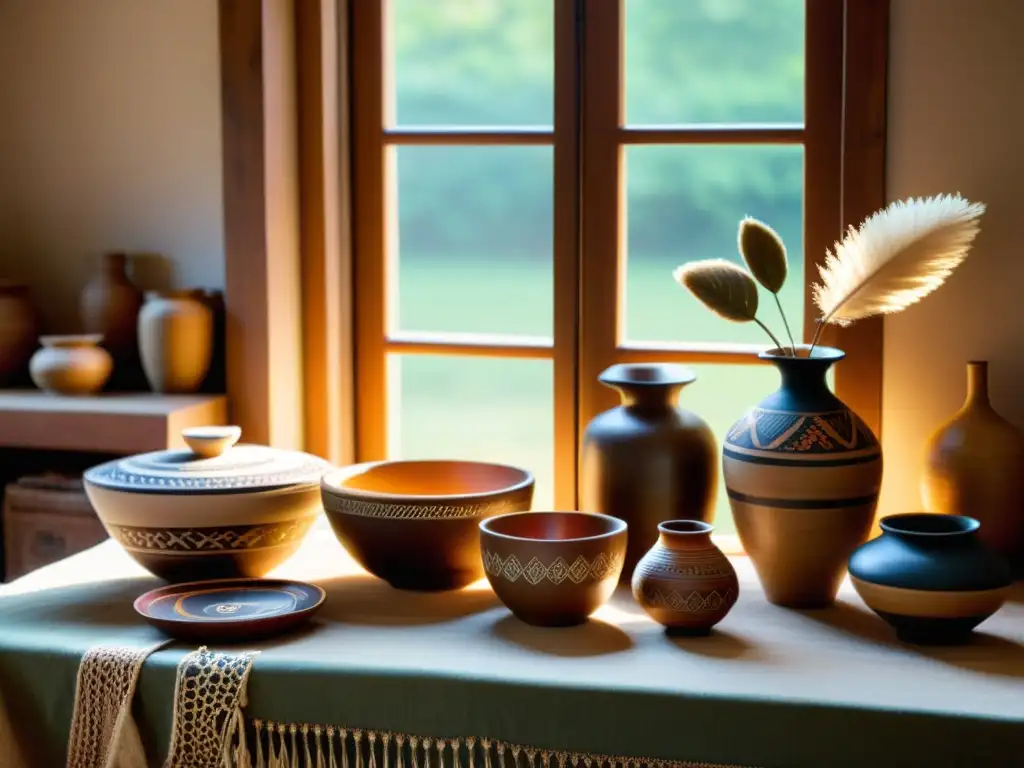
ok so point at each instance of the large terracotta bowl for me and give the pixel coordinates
(553, 569)
(211, 510)
(414, 523)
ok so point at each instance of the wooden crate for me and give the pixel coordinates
(46, 518)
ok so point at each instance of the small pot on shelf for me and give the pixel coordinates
(71, 365)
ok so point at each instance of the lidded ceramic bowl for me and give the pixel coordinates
(212, 510)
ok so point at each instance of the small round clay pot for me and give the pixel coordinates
(71, 365)
(553, 569)
(414, 523)
(685, 582)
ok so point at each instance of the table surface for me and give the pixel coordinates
(372, 651)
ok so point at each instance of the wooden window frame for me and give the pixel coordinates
(843, 138)
(833, 136)
(373, 139)
(290, 205)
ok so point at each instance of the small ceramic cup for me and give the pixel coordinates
(553, 569)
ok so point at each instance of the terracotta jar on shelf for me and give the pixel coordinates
(176, 340)
(648, 460)
(974, 466)
(19, 330)
(685, 582)
(109, 305)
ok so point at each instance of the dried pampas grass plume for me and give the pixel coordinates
(897, 257)
(765, 254)
(726, 289)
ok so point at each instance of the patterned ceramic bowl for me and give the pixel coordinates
(553, 569)
(213, 510)
(414, 523)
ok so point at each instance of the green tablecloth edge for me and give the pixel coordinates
(761, 731)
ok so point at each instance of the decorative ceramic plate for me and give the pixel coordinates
(230, 609)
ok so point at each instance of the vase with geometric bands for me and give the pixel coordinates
(802, 472)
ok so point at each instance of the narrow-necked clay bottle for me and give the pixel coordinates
(974, 466)
(176, 340)
(648, 460)
(109, 305)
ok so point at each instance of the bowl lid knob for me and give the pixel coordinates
(210, 442)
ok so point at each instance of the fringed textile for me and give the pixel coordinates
(291, 745)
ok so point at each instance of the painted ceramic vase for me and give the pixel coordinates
(415, 523)
(212, 510)
(803, 473)
(71, 365)
(648, 460)
(19, 330)
(931, 577)
(176, 340)
(109, 305)
(685, 582)
(974, 465)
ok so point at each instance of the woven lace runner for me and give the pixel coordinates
(103, 733)
(210, 729)
(209, 695)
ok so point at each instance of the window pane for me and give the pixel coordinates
(486, 409)
(473, 62)
(474, 231)
(721, 395)
(685, 204)
(714, 61)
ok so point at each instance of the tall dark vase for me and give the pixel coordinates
(648, 460)
(803, 473)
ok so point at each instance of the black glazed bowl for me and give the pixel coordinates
(930, 577)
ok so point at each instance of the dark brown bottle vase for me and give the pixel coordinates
(648, 460)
